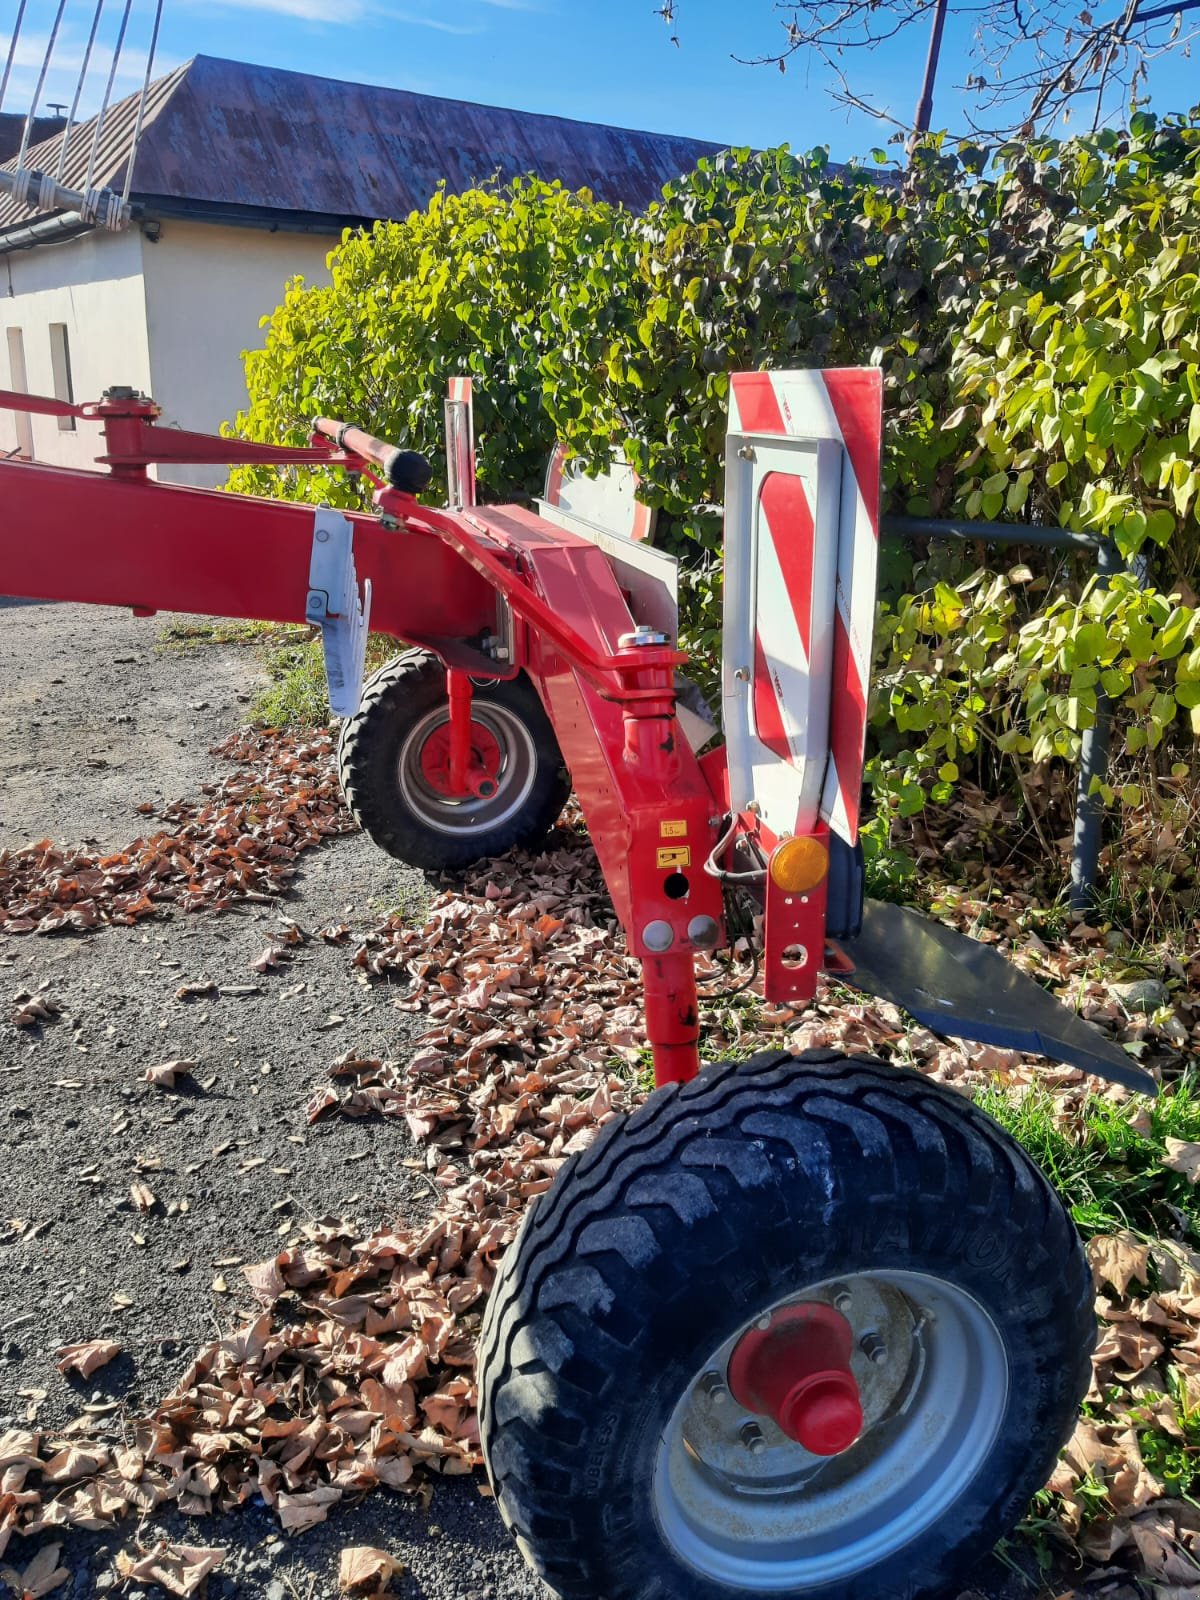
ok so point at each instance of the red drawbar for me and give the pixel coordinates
(797, 1372)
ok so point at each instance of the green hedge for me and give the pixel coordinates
(1036, 315)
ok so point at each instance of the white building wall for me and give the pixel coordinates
(207, 288)
(92, 285)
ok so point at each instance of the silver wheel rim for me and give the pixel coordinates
(933, 1378)
(471, 814)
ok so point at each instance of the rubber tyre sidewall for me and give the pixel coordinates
(394, 699)
(746, 1254)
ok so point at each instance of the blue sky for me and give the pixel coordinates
(598, 60)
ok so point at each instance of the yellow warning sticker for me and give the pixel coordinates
(672, 830)
(675, 855)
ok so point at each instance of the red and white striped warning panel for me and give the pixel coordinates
(801, 545)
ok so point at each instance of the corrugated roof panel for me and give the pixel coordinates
(227, 133)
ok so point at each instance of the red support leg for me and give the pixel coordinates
(458, 688)
(672, 1017)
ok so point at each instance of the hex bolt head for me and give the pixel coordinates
(753, 1438)
(874, 1348)
(746, 453)
(763, 1323)
(842, 1298)
(714, 1387)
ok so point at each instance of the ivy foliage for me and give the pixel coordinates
(1036, 315)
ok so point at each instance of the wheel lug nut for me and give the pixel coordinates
(753, 1438)
(714, 1387)
(874, 1348)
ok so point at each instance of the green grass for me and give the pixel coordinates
(1108, 1173)
(296, 696)
(194, 633)
(408, 901)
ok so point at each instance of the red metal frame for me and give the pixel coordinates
(117, 538)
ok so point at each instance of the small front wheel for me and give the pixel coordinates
(808, 1326)
(393, 760)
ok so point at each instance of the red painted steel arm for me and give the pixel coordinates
(119, 539)
(110, 540)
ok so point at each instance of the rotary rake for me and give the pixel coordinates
(800, 1325)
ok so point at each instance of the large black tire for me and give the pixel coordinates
(679, 1227)
(378, 763)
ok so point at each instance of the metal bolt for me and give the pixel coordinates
(741, 674)
(641, 636)
(714, 1387)
(746, 452)
(763, 1323)
(322, 535)
(842, 1298)
(316, 601)
(752, 1437)
(874, 1348)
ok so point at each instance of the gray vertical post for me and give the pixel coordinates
(1093, 763)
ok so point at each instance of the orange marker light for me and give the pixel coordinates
(799, 864)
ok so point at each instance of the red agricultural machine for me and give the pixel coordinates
(800, 1326)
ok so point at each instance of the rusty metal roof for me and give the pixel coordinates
(226, 137)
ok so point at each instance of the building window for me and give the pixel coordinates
(18, 381)
(60, 364)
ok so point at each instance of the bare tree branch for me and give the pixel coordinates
(1030, 60)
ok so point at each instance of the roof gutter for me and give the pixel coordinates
(46, 230)
(56, 229)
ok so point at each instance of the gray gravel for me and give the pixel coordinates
(78, 1125)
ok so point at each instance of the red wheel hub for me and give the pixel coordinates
(797, 1372)
(484, 768)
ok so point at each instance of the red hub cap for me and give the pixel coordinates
(483, 770)
(797, 1372)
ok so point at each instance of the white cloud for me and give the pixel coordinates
(66, 63)
(347, 11)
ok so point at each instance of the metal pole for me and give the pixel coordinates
(989, 532)
(1093, 763)
(925, 104)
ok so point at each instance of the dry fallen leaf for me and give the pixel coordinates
(1116, 1258)
(29, 1009)
(142, 1196)
(84, 1359)
(363, 1570)
(1184, 1157)
(180, 1568)
(168, 1074)
(42, 1576)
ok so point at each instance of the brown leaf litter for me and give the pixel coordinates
(84, 1359)
(358, 1370)
(169, 1074)
(367, 1572)
(239, 842)
(179, 1568)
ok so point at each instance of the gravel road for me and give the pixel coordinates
(94, 719)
